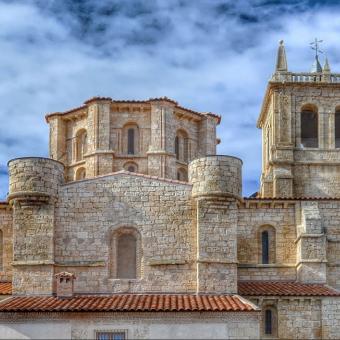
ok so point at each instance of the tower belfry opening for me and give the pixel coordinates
(300, 120)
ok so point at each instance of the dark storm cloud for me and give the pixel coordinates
(209, 55)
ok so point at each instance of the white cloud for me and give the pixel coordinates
(208, 55)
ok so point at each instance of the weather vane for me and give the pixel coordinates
(316, 46)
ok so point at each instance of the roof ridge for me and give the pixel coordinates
(145, 101)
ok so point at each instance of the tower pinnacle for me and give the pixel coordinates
(326, 67)
(281, 60)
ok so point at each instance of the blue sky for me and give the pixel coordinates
(209, 55)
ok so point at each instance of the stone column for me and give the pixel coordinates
(33, 191)
(57, 142)
(99, 157)
(311, 245)
(161, 153)
(216, 189)
(283, 182)
(207, 136)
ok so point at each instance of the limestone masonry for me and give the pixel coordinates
(135, 229)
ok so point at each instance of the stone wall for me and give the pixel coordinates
(330, 214)
(330, 318)
(290, 169)
(216, 188)
(106, 122)
(299, 318)
(172, 325)
(34, 185)
(7, 242)
(89, 211)
(252, 217)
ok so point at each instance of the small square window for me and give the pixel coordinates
(111, 335)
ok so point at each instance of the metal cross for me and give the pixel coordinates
(316, 46)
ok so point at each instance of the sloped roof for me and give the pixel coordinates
(132, 174)
(129, 303)
(284, 288)
(5, 288)
(150, 100)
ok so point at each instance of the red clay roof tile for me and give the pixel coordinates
(128, 303)
(282, 288)
(218, 117)
(303, 198)
(5, 288)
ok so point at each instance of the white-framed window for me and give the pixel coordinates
(119, 334)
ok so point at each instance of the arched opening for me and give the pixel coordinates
(337, 127)
(265, 247)
(182, 175)
(131, 167)
(80, 174)
(267, 244)
(1, 251)
(126, 256)
(131, 139)
(177, 147)
(182, 146)
(81, 144)
(269, 321)
(309, 126)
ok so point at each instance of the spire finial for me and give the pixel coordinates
(281, 60)
(326, 68)
(316, 67)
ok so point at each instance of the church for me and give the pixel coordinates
(134, 228)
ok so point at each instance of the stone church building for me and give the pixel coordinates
(135, 229)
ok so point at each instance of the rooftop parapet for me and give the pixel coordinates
(306, 77)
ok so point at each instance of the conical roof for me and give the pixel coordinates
(281, 60)
(326, 67)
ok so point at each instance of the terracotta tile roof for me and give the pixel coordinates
(87, 102)
(129, 303)
(282, 288)
(4, 204)
(5, 288)
(291, 198)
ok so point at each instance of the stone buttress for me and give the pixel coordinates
(33, 190)
(216, 190)
(311, 245)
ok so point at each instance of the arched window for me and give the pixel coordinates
(81, 144)
(125, 259)
(1, 251)
(267, 244)
(309, 126)
(126, 256)
(80, 174)
(177, 147)
(269, 321)
(131, 166)
(265, 247)
(182, 146)
(130, 139)
(337, 127)
(182, 175)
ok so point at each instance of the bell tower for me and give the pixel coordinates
(300, 122)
